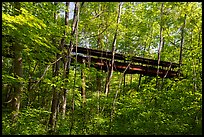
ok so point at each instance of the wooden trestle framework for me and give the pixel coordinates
(101, 60)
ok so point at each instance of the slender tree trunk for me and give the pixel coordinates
(162, 67)
(160, 44)
(98, 81)
(139, 82)
(140, 78)
(74, 30)
(54, 107)
(73, 27)
(113, 106)
(65, 75)
(98, 75)
(194, 77)
(83, 92)
(194, 62)
(110, 70)
(124, 80)
(98, 78)
(53, 114)
(8, 95)
(182, 42)
(18, 72)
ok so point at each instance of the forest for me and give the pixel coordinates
(101, 68)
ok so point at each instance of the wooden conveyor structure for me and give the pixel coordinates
(101, 60)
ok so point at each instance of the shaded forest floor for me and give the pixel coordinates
(144, 111)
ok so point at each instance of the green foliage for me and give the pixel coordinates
(173, 109)
(30, 121)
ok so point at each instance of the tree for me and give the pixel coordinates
(160, 44)
(110, 70)
(65, 75)
(55, 105)
(74, 30)
(52, 71)
(18, 70)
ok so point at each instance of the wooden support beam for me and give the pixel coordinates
(105, 54)
(99, 64)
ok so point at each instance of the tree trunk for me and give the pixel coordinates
(54, 107)
(139, 82)
(18, 72)
(194, 63)
(160, 44)
(98, 81)
(140, 78)
(83, 93)
(53, 114)
(124, 80)
(74, 30)
(181, 46)
(98, 78)
(73, 27)
(65, 75)
(194, 77)
(98, 73)
(110, 70)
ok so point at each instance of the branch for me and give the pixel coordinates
(119, 86)
(96, 16)
(8, 101)
(82, 4)
(99, 33)
(45, 72)
(167, 71)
